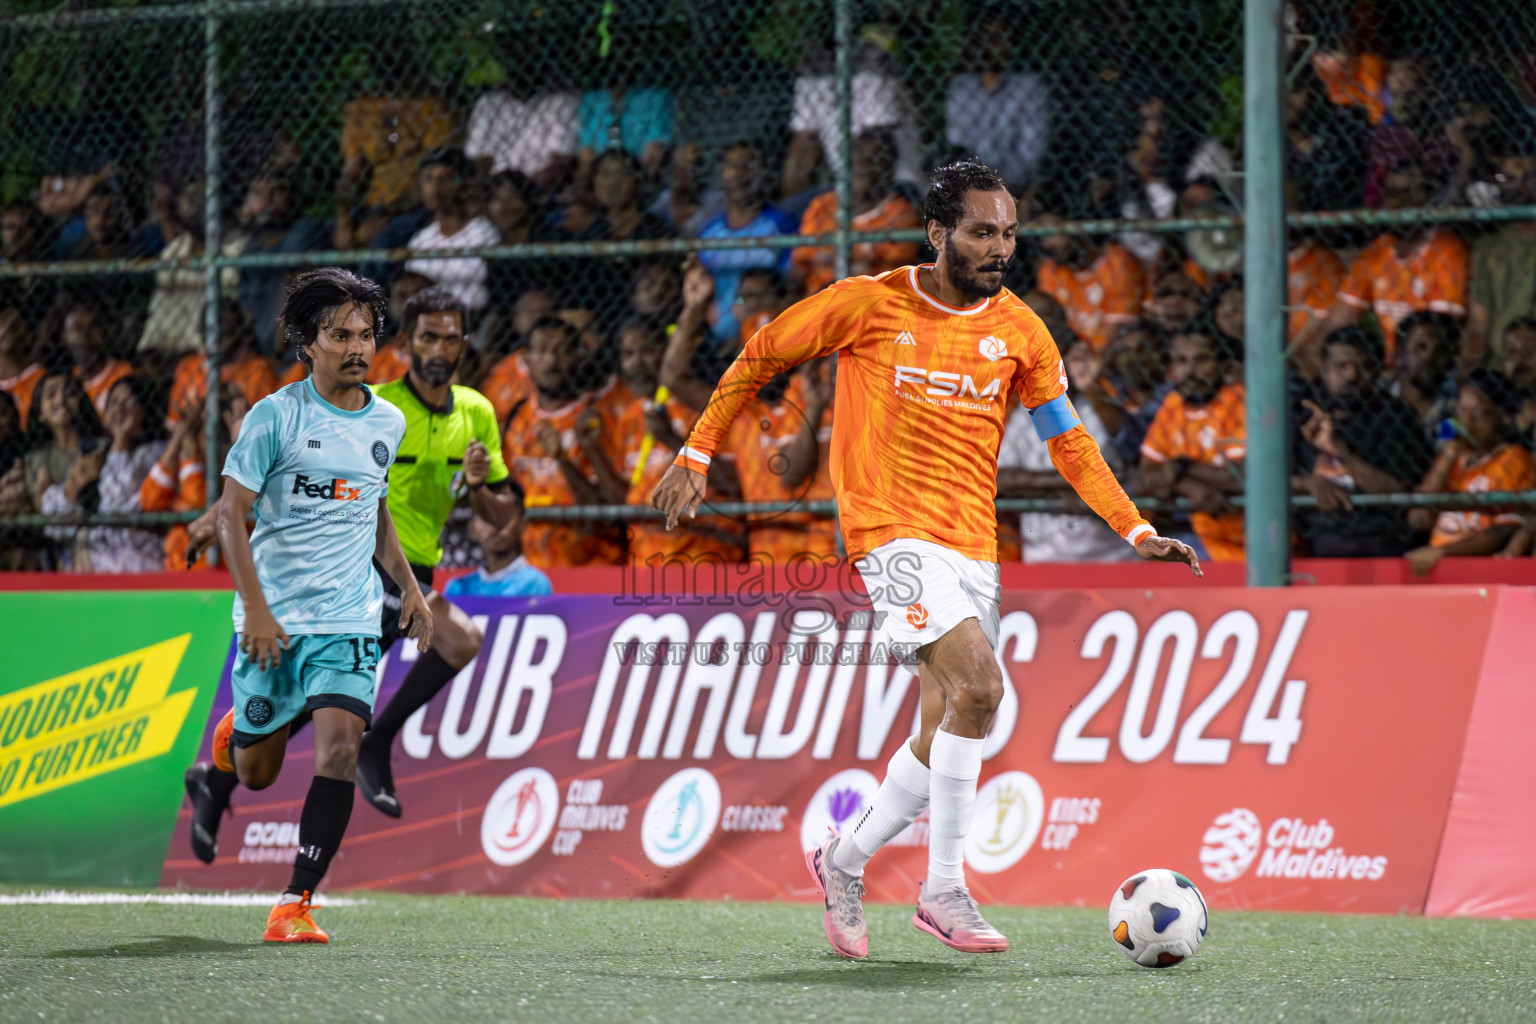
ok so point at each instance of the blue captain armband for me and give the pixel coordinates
(1054, 418)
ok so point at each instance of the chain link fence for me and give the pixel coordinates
(625, 191)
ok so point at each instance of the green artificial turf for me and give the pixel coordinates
(467, 959)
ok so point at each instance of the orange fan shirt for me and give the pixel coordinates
(816, 262)
(186, 492)
(1509, 468)
(1355, 81)
(761, 438)
(98, 386)
(295, 373)
(547, 543)
(1099, 297)
(1432, 276)
(1215, 434)
(709, 536)
(506, 384)
(252, 373)
(921, 393)
(1313, 275)
(389, 363)
(20, 388)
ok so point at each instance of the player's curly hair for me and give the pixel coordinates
(949, 184)
(314, 297)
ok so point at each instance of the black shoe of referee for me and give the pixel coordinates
(374, 777)
(208, 809)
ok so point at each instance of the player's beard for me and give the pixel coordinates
(436, 372)
(968, 282)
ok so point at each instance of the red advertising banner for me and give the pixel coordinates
(1289, 749)
(1485, 858)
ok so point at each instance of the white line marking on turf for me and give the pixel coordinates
(58, 897)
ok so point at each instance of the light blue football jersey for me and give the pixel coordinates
(318, 473)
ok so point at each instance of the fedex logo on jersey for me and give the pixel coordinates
(944, 384)
(336, 489)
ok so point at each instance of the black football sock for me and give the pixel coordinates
(322, 823)
(429, 675)
(221, 783)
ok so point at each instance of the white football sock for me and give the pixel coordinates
(901, 798)
(955, 764)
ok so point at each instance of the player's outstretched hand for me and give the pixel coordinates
(416, 619)
(1166, 549)
(263, 641)
(678, 494)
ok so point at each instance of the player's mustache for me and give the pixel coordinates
(355, 361)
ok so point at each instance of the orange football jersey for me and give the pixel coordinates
(921, 389)
(1432, 276)
(816, 263)
(1215, 434)
(708, 535)
(1098, 298)
(1312, 276)
(20, 388)
(506, 384)
(98, 386)
(1509, 468)
(548, 543)
(760, 438)
(389, 363)
(252, 373)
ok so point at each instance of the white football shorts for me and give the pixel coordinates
(924, 590)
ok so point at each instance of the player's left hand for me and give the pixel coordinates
(1165, 549)
(416, 619)
(679, 494)
(477, 464)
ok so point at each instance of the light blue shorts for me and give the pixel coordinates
(317, 671)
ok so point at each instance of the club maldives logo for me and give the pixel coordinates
(1230, 844)
(520, 816)
(1293, 848)
(91, 721)
(1007, 817)
(992, 348)
(680, 818)
(917, 616)
(838, 803)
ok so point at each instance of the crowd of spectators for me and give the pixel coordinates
(1411, 350)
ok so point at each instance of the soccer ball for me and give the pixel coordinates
(1157, 918)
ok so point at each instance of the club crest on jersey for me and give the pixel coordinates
(381, 454)
(992, 348)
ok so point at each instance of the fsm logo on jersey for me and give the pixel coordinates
(1005, 821)
(520, 816)
(680, 818)
(838, 803)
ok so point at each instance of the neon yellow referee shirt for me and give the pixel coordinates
(426, 480)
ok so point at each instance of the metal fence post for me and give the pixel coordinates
(843, 29)
(212, 240)
(1267, 469)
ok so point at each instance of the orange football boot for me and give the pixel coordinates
(221, 734)
(290, 922)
